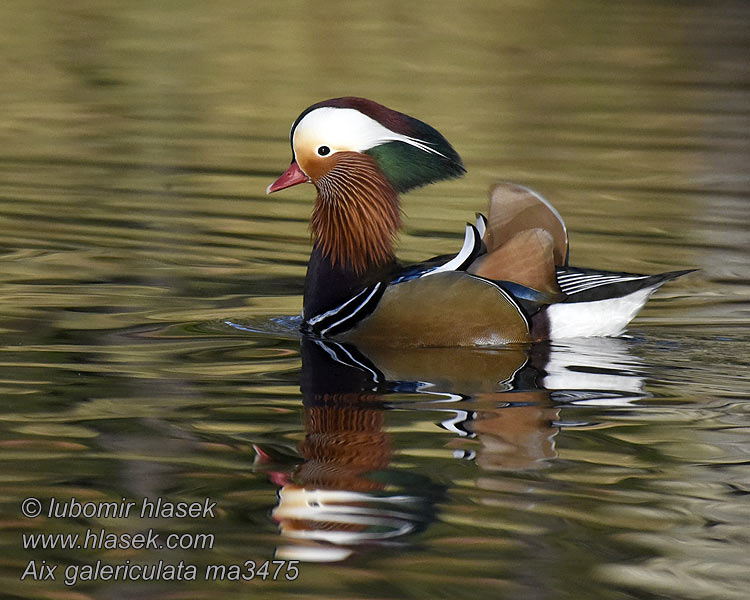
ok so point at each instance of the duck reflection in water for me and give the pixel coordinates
(345, 494)
(500, 408)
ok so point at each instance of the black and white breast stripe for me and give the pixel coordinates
(574, 281)
(345, 315)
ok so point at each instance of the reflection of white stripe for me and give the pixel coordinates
(327, 346)
(356, 310)
(380, 528)
(461, 417)
(466, 250)
(424, 387)
(363, 366)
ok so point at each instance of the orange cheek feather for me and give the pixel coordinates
(315, 166)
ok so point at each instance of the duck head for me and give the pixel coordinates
(360, 155)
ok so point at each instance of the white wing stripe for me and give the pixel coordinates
(600, 281)
(586, 286)
(581, 287)
(466, 251)
(578, 277)
(586, 276)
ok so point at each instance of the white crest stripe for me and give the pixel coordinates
(347, 129)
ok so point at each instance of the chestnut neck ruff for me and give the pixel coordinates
(356, 214)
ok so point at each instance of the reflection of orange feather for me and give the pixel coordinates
(520, 436)
(527, 259)
(344, 443)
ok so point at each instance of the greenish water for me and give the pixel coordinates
(148, 288)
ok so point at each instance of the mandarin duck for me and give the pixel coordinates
(509, 283)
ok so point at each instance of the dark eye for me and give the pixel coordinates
(324, 150)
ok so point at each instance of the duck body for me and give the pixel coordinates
(509, 283)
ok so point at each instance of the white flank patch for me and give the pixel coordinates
(598, 318)
(347, 129)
